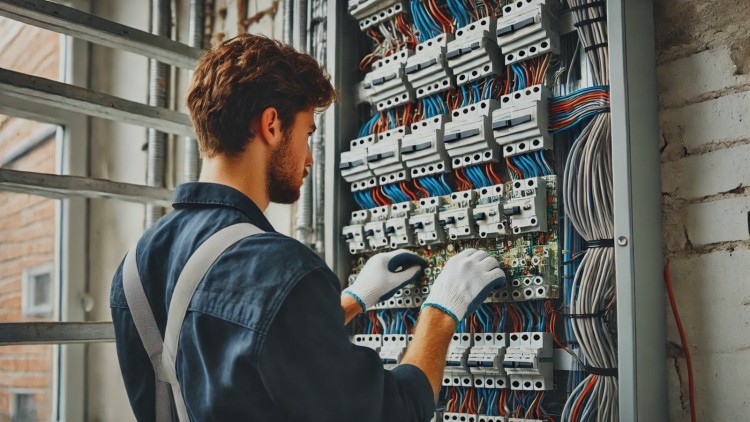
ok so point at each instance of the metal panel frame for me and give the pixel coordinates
(70, 21)
(637, 203)
(339, 124)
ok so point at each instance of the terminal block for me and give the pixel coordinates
(532, 287)
(375, 230)
(386, 85)
(526, 30)
(424, 222)
(426, 70)
(354, 233)
(485, 418)
(389, 135)
(372, 341)
(353, 165)
(409, 296)
(469, 138)
(423, 150)
(393, 348)
(520, 125)
(372, 12)
(528, 361)
(527, 209)
(397, 226)
(474, 54)
(458, 223)
(457, 376)
(461, 417)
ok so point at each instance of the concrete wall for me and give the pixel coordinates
(703, 70)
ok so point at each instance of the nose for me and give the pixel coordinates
(308, 157)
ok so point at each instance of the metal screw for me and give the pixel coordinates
(622, 241)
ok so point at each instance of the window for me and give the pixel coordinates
(37, 291)
(24, 408)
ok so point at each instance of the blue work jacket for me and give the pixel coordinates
(263, 338)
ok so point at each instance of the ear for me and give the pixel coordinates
(270, 127)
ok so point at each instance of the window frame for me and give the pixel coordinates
(28, 291)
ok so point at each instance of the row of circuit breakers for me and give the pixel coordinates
(518, 361)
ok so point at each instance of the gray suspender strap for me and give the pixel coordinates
(164, 353)
(148, 331)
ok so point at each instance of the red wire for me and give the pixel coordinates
(408, 192)
(495, 178)
(425, 193)
(683, 340)
(574, 415)
(465, 184)
(512, 167)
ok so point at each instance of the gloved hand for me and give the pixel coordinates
(383, 275)
(465, 282)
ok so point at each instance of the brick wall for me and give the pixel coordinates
(703, 71)
(27, 224)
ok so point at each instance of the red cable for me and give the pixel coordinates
(683, 340)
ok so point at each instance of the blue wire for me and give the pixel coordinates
(436, 188)
(477, 177)
(445, 184)
(413, 5)
(538, 160)
(358, 200)
(520, 165)
(472, 177)
(529, 165)
(464, 96)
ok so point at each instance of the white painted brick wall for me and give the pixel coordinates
(709, 70)
(722, 119)
(718, 221)
(713, 297)
(707, 174)
(704, 101)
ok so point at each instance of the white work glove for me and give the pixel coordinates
(383, 275)
(464, 283)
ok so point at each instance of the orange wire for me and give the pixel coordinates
(495, 178)
(574, 415)
(376, 196)
(407, 191)
(424, 191)
(445, 23)
(465, 184)
(512, 167)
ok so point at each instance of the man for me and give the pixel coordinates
(263, 337)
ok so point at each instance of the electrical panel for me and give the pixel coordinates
(473, 111)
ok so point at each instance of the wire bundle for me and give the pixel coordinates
(567, 111)
(588, 199)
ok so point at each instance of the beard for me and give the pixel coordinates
(283, 178)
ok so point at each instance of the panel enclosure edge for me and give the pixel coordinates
(637, 205)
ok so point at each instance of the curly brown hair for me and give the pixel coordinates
(238, 79)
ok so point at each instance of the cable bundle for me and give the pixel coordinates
(569, 110)
(588, 199)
